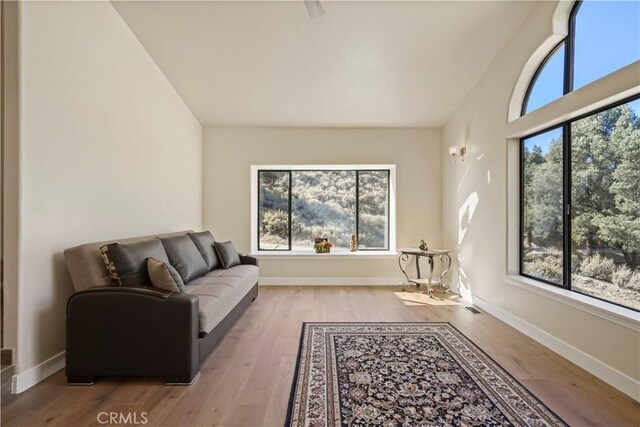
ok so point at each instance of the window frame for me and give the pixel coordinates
(255, 203)
(566, 199)
(564, 204)
(536, 75)
(289, 198)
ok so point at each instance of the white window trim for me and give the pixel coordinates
(560, 29)
(620, 84)
(620, 315)
(391, 252)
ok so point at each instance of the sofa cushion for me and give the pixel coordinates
(227, 253)
(130, 260)
(237, 271)
(164, 276)
(204, 242)
(218, 295)
(184, 257)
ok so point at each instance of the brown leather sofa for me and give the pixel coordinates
(145, 331)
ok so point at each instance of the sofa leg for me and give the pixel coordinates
(80, 380)
(182, 380)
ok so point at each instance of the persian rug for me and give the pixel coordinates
(404, 374)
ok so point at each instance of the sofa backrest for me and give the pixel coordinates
(86, 265)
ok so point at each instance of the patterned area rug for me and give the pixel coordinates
(404, 374)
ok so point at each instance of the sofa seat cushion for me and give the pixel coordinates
(218, 295)
(238, 270)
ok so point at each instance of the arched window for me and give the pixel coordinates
(602, 38)
(579, 180)
(548, 83)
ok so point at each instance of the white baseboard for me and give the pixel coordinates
(606, 373)
(24, 380)
(330, 281)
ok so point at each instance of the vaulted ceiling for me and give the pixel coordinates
(373, 64)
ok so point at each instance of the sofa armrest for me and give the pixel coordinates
(121, 290)
(247, 259)
(132, 331)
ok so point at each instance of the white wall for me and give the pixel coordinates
(107, 149)
(475, 221)
(230, 152)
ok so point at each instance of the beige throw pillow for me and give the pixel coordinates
(164, 276)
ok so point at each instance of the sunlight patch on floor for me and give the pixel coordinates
(418, 298)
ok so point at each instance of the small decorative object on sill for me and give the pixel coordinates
(322, 245)
(354, 243)
(423, 246)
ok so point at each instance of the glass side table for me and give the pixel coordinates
(430, 254)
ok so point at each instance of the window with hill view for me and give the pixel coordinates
(296, 206)
(580, 180)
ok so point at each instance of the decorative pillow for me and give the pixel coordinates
(111, 268)
(204, 242)
(129, 260)
(227, 253)
(164, 276)
(185, 257)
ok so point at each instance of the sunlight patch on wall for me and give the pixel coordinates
(464, 290)
(464, 176)
(465, 215)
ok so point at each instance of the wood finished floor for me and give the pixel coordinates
(247, 380)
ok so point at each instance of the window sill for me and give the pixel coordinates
(310, 255)
(611, 312)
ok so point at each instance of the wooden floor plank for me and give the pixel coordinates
(247, 380)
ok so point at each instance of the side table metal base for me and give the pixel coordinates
(444, 257)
